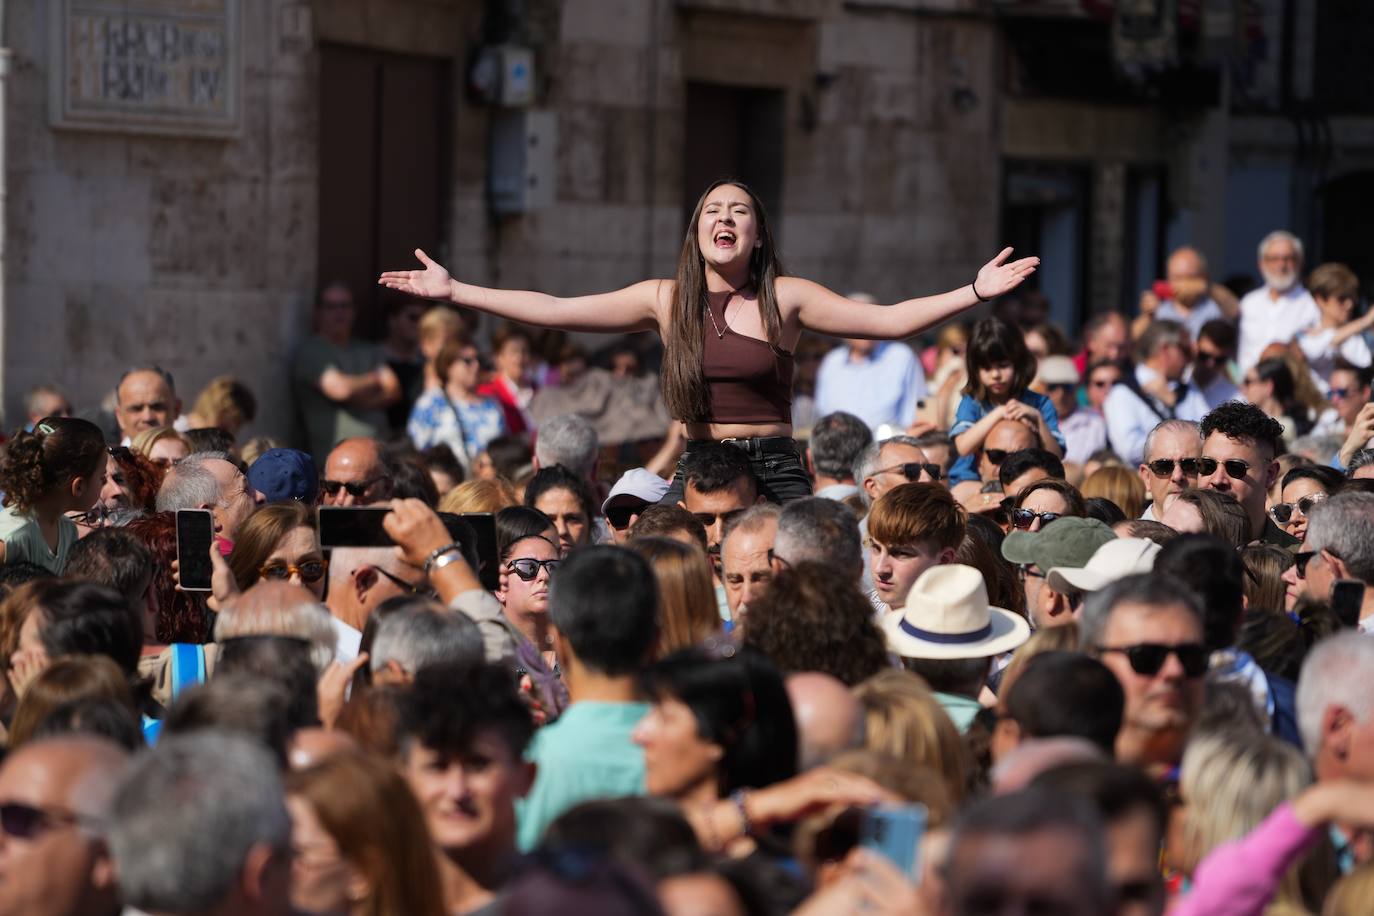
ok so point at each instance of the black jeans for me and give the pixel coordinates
(782, 478)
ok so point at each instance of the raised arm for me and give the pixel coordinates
(634, 308)
(821, 310)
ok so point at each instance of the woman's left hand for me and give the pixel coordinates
(997, 277)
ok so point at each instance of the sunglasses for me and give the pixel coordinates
(1103, 382)
(25, 822)
(309, 571)
(1164, 467)
(1026, 572)
(413, 588)
(911, 470)
(1061, 386)
(995, 455)
(1283, 513)
(1024, 518)
(527, 568)
(1148, 658)
(1339, 393)
(1235, 468)
(1202, 356)
(1301, 559)
(354, 488)
(619, 516)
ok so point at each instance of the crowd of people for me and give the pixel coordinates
(997, 624)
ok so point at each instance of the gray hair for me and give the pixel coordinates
(1280, 235)
(1362, 458)
(272, 609)
(755, 518)
(1317, 449)
(1336, 672)
(415, 638)
(1145, 588)
(1344, 525)
(189, 484)
(1170, 426)
(818, 530)
(1158, 334)
(569, 440)
(836, 440)
(188, 814)
(38, 392)
(868, 459)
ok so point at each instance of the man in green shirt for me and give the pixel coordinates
(604, 602)
(342, 385)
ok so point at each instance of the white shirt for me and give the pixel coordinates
(1264, 321)
(1321, 356)
(1129, 419)
(347, 640)
(1201, 313)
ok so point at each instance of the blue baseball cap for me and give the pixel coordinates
(284, 474)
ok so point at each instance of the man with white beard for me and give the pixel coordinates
(1279, 309)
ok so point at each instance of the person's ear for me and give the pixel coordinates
(946, 556)
(1145, 476)
(254, 881)
(364, 580)
(1271, 475)
(808, 463)
(524, 777)
(1337, 726)
(103, 874)
(1338, 568)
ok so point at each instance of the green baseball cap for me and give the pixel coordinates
(1063, 542)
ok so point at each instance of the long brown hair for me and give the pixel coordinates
(258, 537)
(686, 598)
(368, 808)
(684, 380)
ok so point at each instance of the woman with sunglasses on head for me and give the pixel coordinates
(45, 474)
(1044, 501)
(453, 413)
(1303, 487)
(730, 323)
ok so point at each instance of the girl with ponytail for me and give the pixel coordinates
(56, 469)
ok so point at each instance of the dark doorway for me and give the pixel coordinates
(734, 132)
(1045, 209)
(383, 137)
(1347, 231)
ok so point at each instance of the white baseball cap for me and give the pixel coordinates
(640, 483)
(1114, 560)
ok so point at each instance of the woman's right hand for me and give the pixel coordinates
(813, 790)
(433, 282)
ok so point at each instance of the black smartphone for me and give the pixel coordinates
(353, 526)
(1347, 597)
(195, 534)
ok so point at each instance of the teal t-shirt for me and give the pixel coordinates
(587, 754)
(24, 540)
(960, 709)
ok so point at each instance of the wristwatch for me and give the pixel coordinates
(443, 556)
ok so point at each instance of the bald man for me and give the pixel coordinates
(145, 399)
(355, 474)
(1004, 438)
(829, 719)
(52, 860)
(1191, 301)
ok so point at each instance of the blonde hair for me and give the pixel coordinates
(1351, 895)
(226, 401)
(479, 496)
(440, 322)
(1232, 781)
(254, 448)
(903, 719)
(67, 680)
(1120, 485)
(687, 612)
(143, 443)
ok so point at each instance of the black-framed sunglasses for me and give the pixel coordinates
(354, 488)
(413, 588)
(618, 517)
(25, 822)
(1024, 518)
(1164, 467)
(1236, 469)
(1148, 658)
(1301, 559)
(995, 455)
(527, 568)
(911, 470)
(1283, 513)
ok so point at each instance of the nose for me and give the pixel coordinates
(295, 579)
(1290, 575)
(1172, 669)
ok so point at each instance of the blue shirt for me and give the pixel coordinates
(883, 388)
(970, 412)
(435, 419)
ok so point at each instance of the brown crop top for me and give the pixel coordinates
(750, 380)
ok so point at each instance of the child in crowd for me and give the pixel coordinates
(56, 469)
(1000, 370)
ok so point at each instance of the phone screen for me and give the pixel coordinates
(361, 526)
(1347, 598)
(353, 526)
(894, 832)
(195, 534)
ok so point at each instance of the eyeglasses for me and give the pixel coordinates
(309, 571)
(619, 516)
(1103, 382)
(94, 517)
(1148, 658)
(1164, 467)
(355, 488)
(1236, 469)
(25, 822)
(413, 588)
(527, 568)
(995, 455)
(1025, 571)
(911, 470)
(1024, 518)
(1282, 513)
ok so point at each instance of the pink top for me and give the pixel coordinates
(1240, 878)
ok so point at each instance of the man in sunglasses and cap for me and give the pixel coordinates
(1240, 443)
(1148, 630)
